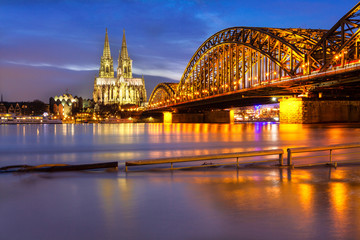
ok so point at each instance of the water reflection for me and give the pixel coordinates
(122, 142)
(312, 203)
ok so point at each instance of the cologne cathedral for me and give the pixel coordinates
(122, 89)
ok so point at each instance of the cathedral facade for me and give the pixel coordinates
(122, 89)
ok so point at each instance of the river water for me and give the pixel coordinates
(207, 203)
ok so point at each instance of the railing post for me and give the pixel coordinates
(126, 168)
(237, 162)
(289, 157)
(281, 159)
(330, 156)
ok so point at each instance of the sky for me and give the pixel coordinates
(50, 47)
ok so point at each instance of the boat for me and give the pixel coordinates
(10, 118)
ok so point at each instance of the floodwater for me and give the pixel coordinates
(207, 203)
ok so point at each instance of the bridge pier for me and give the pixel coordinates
(304, 110)
(220, 116)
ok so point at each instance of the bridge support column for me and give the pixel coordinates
(303, 110)
(167, 117)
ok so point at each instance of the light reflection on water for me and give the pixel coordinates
(96, 143)
(222, 203)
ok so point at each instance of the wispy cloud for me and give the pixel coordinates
(159, 72)
(71, 67)
(171, 74)
(213, 20)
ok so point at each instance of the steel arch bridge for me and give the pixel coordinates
(243, 58)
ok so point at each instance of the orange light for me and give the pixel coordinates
(167, 117)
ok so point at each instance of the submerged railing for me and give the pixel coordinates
(330, 156)
(236, 156)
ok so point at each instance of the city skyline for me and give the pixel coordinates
(48, 47)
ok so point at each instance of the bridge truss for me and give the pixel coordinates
(241, 58)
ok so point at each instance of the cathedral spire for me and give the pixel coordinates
(106, 65)
(125, 63)
(106, 52)
(124, 51)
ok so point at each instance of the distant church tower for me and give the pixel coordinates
(106, 64)
(125, 63)
(122, 89)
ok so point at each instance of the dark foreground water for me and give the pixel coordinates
(220, 203)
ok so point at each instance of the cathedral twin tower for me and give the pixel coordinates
(122, 89)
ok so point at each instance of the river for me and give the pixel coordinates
(210, 203)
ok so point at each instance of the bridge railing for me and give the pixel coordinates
(324, 153)
(327, 157)
(172, 161)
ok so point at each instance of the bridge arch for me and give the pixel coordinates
(162, 94)
(244, 57)
(340, 43)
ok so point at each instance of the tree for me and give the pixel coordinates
(37, 107)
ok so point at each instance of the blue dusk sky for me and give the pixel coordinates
(48, 47)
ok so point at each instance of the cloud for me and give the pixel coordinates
(72, 67)
(158, 72)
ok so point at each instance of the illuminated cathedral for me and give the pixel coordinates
(122, 89)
